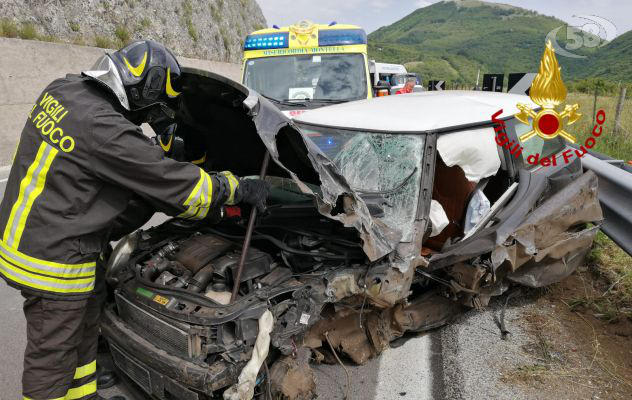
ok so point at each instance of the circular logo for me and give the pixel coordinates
(547, 124)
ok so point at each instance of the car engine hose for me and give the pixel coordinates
(281, 245)
(201, 279)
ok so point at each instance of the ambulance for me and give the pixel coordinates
(306, 65)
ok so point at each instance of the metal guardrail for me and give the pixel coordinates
(619, 163)
(615, 196)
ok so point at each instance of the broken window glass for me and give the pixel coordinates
(384, 169)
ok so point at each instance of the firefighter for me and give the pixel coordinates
(81, 161)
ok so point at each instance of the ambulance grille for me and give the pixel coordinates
(131, 368)
(161, 334)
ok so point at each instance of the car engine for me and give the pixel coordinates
(174, 286)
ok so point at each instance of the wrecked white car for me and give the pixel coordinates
(375, 227)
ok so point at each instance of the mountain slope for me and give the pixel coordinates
(612, 62)
(209, 29)
(452, 39)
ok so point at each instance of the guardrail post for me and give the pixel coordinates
(617, 115)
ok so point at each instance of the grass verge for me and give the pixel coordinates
(618, 146)
(613, 264)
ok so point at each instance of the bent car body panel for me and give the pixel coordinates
(553, 239)
(260, 127)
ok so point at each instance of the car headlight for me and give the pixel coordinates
(120, 256)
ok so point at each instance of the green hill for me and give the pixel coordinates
(612, 62)
(451, 40)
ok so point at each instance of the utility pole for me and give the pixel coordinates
(595, 103)
(477, 76)
(617, 115)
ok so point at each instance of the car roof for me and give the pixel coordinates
(417, 112)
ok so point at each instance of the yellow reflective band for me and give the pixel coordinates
(15, 254)
(207, 191)
(40, 282)
(136, 71)
(169, 89)
(199, 200)
(26, 181)
(86, 370)
(196, 189)
(192, 210)
(165, 147)
(34, 194)
(200, 160)
(82, 391)
(54, 272)
(233, 183)
(189, 213)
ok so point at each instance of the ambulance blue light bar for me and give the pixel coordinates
(267, 41)
(340, 37)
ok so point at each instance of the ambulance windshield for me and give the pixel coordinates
(337, 77)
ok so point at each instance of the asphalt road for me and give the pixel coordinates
(456, 362)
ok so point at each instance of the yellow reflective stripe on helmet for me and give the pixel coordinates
(82, 391)
(165, 147)
(233, 183)
(136, 71)
(40, 282)
(88, 369)
(169, 89)
(200, 160)
(31, 187)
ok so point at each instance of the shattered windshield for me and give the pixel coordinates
(384, 169)
(308, 77)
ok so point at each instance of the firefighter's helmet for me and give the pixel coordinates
(141, 74)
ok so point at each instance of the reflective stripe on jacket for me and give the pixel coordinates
(78, 166)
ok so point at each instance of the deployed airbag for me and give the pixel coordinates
(438, 218)
(478, 207)
(474, 150)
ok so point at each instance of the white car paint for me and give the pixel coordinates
(417, 112)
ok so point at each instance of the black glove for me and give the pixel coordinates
(253, 192)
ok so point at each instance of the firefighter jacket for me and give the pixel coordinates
(78, 165)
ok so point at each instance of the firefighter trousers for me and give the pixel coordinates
(61, 349)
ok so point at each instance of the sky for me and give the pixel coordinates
(372, 14)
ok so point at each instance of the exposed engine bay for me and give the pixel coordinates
(174, 291)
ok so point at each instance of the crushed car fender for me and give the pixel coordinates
(554, 235)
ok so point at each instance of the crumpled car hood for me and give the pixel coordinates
(238, 126)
